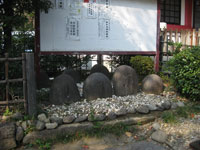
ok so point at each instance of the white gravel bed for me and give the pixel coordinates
(107, 105)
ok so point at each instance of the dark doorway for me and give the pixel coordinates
(197, 14)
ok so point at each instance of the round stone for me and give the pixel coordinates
(74, 74)
(152, 84)
(64, 90)
(97, 85)
(42, 80)
(101, 69)
(125, 81)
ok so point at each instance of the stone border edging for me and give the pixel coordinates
(67, 129)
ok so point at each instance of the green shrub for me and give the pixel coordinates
(143, 65)
(185, 68)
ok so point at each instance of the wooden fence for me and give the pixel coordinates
(186, 37)
(28, 80)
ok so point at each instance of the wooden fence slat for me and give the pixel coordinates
(12, 102)
(11, 80)
(11, 59)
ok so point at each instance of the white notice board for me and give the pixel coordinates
(99, 25)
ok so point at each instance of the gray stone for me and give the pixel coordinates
(180, 104)
(42, 80)
(152, 107)
(121, 112)
(166, 105)
(58, 120)
(68, 119)
(142, 145)
(43, 118)
(81, 119)
(7, 130)
(195, 145)
(131, 110)
(101, 69)
(152, 84)
(111, 115)
(156, 126)
(64, 90)
(24, 125)
(96, 117)
(125, 81)
(40, 125)
(160, 107)
(50, 126)
(74, 74)
(63, 130)
(174, 105)
(19, 134)
(7, 136)
(159, 136)
(6, 144)
(17, 116)
(97, 85)
(143, 109)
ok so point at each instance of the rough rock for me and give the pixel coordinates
(174, 105)
(19, 134)
(180, 104)
(131, 110)
(64, 90)
(125, 81)
(142, 145)
(156, 126)
(42, 80)
(97, 85)
(101, 69)
(43, 118)
(152, 84)
(68, 119)
(50, 126)
(74, 74)
(24, 125)
(143, 109)
(166, 105)
(7, 136)
(195, 145)
(58, 120)
(121, 111)
(17, 116)
(111, 115)
(96, 117)
(152, 107)
(81, 118)
(159, 136)
(40, 125)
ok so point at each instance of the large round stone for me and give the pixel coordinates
(125, 81)
(101, 69)
(97, 85)
(42, 80)
(64, 90)
(74, 74)
(152, 84)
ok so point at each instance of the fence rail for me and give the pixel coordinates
(7, 81)
(188, 37)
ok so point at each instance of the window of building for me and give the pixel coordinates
(171, 11)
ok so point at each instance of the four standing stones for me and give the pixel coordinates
(64, 90)
(125, 81)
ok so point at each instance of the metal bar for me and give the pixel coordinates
(10, 59)
(11, 80)
(24, 82)
(6, 76)
(12, 102)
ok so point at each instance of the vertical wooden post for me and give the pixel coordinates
(31, 84)
(24, 81)
(99, 59)
(37, 41)
(6, 77)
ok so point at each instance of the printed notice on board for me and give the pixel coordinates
(91, 9)
(75, 7)
(73, 28)
(104, 29)
(104, 9)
